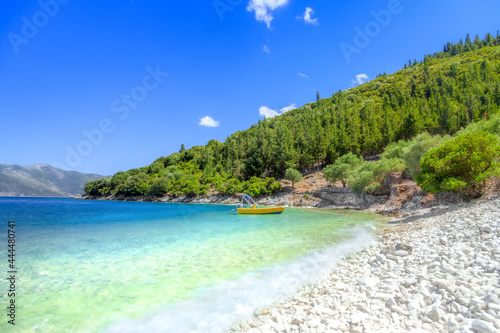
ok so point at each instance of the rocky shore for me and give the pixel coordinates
(397, 197)
(435, 274)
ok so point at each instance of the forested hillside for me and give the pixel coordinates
(440, 94)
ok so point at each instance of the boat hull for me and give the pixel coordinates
(270, 210)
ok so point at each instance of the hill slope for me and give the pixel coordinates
(41, 180)
(440, 95)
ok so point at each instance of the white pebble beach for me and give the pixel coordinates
(435, 274)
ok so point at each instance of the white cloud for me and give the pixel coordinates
(208, 122)
(263, 9)
(266, 112)
(266, 49)
(303, 75)
(288, 108)
(360, 79)
(307, 16)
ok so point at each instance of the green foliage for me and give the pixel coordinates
(293, 175)
(159, 187)
(99, 187)
(341, 168)
(254, 186)
(136, 184)
(155, 168)
(362, 176)
(491, 126)
(412, 151)
(368, 176)
(362, 181)
(441, 95)
(461, 165)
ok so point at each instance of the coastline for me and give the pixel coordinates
(401, 205)
(398, 197)
(439, 273)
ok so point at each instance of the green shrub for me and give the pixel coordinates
(159, 187)
(341, 168)
(118, 179)
(155, 168)
(491, 126)
(257, 186)
(461, 165)
(411, 152)
(293, 175)
(369, 175)
(230, 186)
(172, 169)
(136, 185)
(362, 181)
(92, 188)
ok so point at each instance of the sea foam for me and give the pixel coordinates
(220, 307)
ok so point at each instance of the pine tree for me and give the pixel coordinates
(477, 43)
(444, 96)
(496, 97)
(468, 44)
(459, 46)
(449, 47)
(488, 40)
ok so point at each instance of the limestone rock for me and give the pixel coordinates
(482, 326)
(401, 253)
(404, 247)
(486, 228)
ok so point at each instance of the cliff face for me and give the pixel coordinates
(42, 180)
(344, 197)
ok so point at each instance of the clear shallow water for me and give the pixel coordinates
(90, 266)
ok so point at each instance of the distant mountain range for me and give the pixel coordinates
(42, 180)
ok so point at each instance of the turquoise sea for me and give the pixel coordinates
(104, 266)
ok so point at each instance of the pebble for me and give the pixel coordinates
(486, 228)
(451, 326)
(438, 274)
(494, 307)
(401, 253)
(404, 247)
(482, 326)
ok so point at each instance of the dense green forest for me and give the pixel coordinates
(440, 94)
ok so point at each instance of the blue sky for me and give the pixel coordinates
(101, 87)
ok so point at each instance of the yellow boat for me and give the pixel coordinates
(252, 207)
(269, 210)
